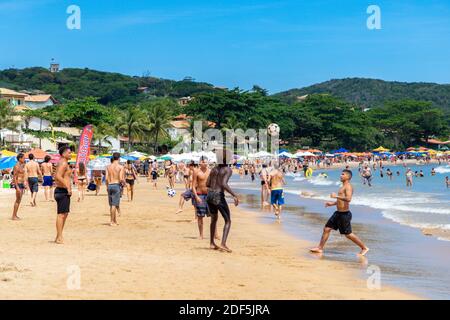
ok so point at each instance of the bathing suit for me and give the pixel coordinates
(130, 181)
(48, 181)
(33, 184)
(222, 207)
(342, 221)
(114, 194)
(277, 197)
(62, 199)
(154, 175)
(201, 209)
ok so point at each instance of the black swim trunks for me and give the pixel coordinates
(130, 182)
(342, 221)
(222, 206)
(62, 199)
(33, 184)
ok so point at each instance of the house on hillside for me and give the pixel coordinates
(14, 98)
(184, 101)
(39, 101)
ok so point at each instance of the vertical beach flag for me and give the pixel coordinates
(84, 148)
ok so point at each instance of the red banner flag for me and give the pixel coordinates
(84, 148)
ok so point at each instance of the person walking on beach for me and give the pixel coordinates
(341, 219)
(19, 183)
(114, 179)
(63, 192)
(82, 180)
(217, 184)
(130, 178)
(276, 182)
(47, 172)
(200, 191)
(264, 176)
(32, 174)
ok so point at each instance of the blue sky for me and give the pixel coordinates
(276, 44)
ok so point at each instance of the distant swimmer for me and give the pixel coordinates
(433, 172)
(19, 183)
(276, 182)
(367, 176)
(341, 219)
(389, 173)
(409, 177)
(421, 174)
(447, 182)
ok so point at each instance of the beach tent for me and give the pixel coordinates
(380, 149)
(341, 150)
(304, 154)
(38, 154)
(286, 155)
(7, 153)
(7, 162)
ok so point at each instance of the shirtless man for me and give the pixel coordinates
(115, 177)
(19, 183)
(217, 184)
(63, 191)
(276, 182)
(341, 219)
(200, 192)
(47, 172)
(32, 174)
(409, 177)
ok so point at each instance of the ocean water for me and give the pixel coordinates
(387, 216)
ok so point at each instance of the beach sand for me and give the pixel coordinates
(155, 254)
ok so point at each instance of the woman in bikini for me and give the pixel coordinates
(82, 181)
(130, 177)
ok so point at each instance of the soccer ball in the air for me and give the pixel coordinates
(171, 193)
(273, 129)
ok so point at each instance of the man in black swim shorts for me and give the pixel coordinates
(341, 219)
(63, 191)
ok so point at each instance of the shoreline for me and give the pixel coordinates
(155, 254)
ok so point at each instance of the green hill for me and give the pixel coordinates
(109, 88)
(369, 93)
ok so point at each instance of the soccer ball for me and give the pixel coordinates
(171, 193)
(273, 129)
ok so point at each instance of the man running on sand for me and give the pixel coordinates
(32, 174)
(115, 176)
(341, 219)
(47, 172)
(200, 192)
(276, 182)
(63, 191)
(217, 184)
(19, 183)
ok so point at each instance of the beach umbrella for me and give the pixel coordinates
(7, 153)
(380, 149)
(341, 150)
(128, 157)
(7, 162)
(137, 154)
(99, 164)
(165, 158)
(285, 155)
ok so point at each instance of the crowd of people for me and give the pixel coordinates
(205, 186)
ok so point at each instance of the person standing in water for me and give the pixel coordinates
(47, 172)
(409, 178)
(63, 191)
(19, 183)
(276, 182)
(32, 174)
(341, 219)
(217, 184)
(115, 177)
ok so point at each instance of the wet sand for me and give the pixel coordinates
(155, 254)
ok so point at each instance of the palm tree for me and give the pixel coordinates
(7, 116)
(159, 116)
(101, 134)
(132, 124)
